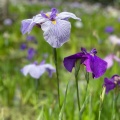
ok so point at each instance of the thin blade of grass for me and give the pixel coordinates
(63, 106)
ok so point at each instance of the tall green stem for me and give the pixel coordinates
(101, 102)
(56, 65)
(85, 97)
(77, 68)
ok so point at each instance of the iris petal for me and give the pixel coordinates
(109, 85)
(36, 71)
(64, 15)
(98, 66)
(28, 24)
(56, 34)
(69, 62)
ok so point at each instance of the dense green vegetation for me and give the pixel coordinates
(19, 98)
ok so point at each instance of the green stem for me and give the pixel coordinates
(101, 102)
(77, 68)
(56, 65)
(87, 80)
(99, 117)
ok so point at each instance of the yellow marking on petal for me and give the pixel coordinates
(54, 22)
(47, 15)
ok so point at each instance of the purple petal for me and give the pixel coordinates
(50, 69)
(23, 46)
(87, 64)
(31, 38)
(109, 85)
(97, 65)
(31, 53)
(27, 26)
(69, 62)
(56, 34)
(53, 13)
(64, 15)
(43, 62)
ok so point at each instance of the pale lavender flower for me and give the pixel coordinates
(36, 71)
(7, 22)
(110, 60)
(55, 25)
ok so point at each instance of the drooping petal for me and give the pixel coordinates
(37, 71)
(98, 66)
(28, 24)
(25, 70)
(87, 64)
(69, 62)
(64, 15)
(109, 85)
(50, 69)
(56, 34)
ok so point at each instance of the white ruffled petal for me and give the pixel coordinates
(56, 34)
(25, 70)
(65, 15)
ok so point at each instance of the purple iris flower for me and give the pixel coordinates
(111, 83)
(109, 29)
(55, 25)
(31, 53)
(93, 63)
(36, 71)
(23, 46)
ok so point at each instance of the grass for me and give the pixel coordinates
(18, 96)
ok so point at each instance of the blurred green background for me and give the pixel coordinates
(19, 99)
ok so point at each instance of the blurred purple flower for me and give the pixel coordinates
(110, 58)
(55, 26)
(93, 64)
(109, 29)
(31, 38)
(23, 46)
(31, 53)
(36, 71)
(111, 83)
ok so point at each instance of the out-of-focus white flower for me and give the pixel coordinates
(112, 11)
(114, 40)
(110, 60)
(78, 24)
